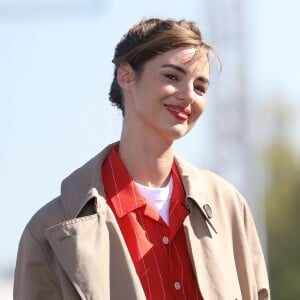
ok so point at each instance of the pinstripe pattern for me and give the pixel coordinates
(181, 268)
(115, 183)
(159, 252)
(157, 265)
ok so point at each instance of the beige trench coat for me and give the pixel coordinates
(73, 248)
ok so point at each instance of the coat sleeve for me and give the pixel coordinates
(258, 260)
(34, 278)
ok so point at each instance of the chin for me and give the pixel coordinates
(176, 133)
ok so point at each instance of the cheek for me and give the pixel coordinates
(203, 105)
(199, 107)
(168, 90)
(197, 110)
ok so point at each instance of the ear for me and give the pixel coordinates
(125, 76)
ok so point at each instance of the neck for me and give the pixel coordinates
(148, 161)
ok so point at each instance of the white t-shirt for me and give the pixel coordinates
(158, 197)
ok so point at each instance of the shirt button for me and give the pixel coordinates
(177, 285)
(165, 240)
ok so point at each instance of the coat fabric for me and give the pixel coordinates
(72, 248)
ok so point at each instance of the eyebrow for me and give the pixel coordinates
(183, 71)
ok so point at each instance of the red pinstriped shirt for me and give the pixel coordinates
(159, 252)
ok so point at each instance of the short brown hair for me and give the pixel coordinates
(149, 38)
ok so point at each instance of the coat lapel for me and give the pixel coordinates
(92, 252)
(80, 246)
(202, 246)
(207, 248)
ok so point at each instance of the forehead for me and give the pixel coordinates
(191, 59)
(186, 55)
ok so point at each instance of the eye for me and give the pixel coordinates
(200, 89)
(171, 76)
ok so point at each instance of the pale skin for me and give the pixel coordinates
(162, 104)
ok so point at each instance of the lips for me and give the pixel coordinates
(179, 112)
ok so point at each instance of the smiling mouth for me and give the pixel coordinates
(179, 112)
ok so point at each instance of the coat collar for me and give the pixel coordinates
(196, 188)
(83, 184)
(86, 183)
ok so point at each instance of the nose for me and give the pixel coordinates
(187, 93)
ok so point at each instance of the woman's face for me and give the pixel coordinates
(168, 97)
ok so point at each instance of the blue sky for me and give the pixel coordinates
(55, 72)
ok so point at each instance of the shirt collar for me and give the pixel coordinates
(120, 189)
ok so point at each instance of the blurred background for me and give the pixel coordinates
(55, 73)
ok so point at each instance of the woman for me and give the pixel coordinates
(137, 221)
